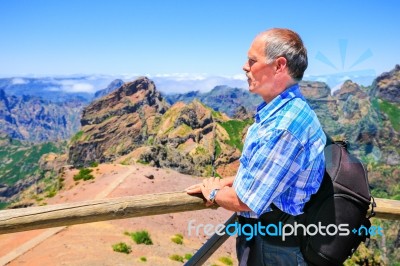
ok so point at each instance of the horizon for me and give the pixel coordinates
(168, 84)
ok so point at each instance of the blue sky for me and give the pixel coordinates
(195, 37)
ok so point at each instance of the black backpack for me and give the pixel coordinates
(343, 198)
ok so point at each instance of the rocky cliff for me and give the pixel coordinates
(34, 119)
(19, 166)
(134, 123)
(387, 86)
(366, 116)
(117, 123)
(352, 114)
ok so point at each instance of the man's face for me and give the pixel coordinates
(260, 74)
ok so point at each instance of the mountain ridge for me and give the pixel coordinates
(182, 136)
(34, 119)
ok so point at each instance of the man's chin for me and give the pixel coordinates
(251, 89)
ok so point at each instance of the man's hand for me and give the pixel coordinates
(194, 189)
(205, 188)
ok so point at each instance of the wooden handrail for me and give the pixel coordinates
(24, 219)
(387, 209)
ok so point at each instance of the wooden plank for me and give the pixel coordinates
(25, 219)
(387, 209)
(16, 220)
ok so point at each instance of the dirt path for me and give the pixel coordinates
(12, 255)
(90, 244)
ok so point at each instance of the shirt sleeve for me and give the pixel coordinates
(269, 170)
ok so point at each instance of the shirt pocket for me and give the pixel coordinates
(248, 151)
(253, 143)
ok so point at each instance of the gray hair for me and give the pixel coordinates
(288, 44)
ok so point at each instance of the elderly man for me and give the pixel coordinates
(282, 162)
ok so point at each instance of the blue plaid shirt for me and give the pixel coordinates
(282, 160)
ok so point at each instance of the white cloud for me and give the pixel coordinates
(75, 86)
(167, 83)
(179, 83)
(181, 76)
(53, 89)
(322, 79)
(241, 76)
(344, 78)
(80, 87)
(18, 81)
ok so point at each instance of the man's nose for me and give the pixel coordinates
(246, 67)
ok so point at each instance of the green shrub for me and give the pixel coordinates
(142, 162)
(3, 205)
(226, 260)
(51, 193)
(126, 161)
(218, 149)
(94, 164)
(177, 239)
(141, 237)
(143, 259)
(392, 110)
(176, 257)
(77, 136)
(235, 130)
(85, 174)
(188, 256)
(122, 247)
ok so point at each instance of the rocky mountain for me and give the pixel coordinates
(351, 114)
(133, 120)
(116, 123)
(229, 100)
(34, 119)
(134, 123)
(19, 166)
(115, 84)
(361, 115)
(387, 86)
(222, 98)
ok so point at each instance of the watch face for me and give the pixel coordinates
(213, 194)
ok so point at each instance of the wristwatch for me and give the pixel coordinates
(213, 194)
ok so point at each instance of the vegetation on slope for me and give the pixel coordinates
(19, 160)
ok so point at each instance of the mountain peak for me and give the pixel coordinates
(131, 97)
(118, 122)
(349, 88)
(314, 89)
(140, 84)
(387, 85)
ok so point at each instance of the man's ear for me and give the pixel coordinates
(281, 64)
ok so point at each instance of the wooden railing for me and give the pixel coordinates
(16, 220)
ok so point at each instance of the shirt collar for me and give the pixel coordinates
(265, 110)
